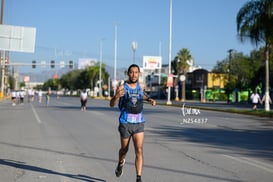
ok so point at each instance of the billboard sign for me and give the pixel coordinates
(86, 62)
(152, 62)
(15, 38)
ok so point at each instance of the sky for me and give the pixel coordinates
(72, 29)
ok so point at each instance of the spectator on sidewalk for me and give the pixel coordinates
(255, 99)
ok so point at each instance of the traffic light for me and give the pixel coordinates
(33, 64)
(52, 63)
(70, 64)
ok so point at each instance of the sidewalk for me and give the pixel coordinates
(222, 105)
(240, 108)
(4, 98)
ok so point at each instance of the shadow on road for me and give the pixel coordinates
(259, 143)
(24, 166)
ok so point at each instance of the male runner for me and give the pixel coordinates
(130, 96)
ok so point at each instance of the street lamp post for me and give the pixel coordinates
(100, 90)
(229, 72)
(267, 97)
(170, 54)
(230, 57)
(2, 54)
(115, 62)
(134, 47)
(2, 76)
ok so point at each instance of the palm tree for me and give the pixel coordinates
(254, 22)
(93, 74)
(182, 66)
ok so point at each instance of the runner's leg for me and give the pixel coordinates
(138, 140)
(124, 148)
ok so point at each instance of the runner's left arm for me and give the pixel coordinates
(148, 99)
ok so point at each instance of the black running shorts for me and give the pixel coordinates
(127, 130)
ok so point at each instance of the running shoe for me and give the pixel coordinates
(138, 179)
(119, 169)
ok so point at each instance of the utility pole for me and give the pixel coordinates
(170, 54)
(229, 72)
(2, 54)
(115, 61)
(100, 79)
(2, 12)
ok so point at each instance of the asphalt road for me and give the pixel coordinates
(60, 143)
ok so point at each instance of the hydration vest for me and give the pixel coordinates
(132, 101)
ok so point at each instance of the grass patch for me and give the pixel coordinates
(261, 113)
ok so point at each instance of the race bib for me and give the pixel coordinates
(134, 118)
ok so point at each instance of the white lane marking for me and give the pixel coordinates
(36, 115)
(252, 162)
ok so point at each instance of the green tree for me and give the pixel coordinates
(52, 84)
(86, 78)
(240, 72)
(38, 87)
(243, 70)
(82, 81)
(254, 22)
(22, 84)
(93, 74)
(227, 66)
(69, 80)
(258, 68)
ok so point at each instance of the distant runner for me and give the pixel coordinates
(84, 97)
